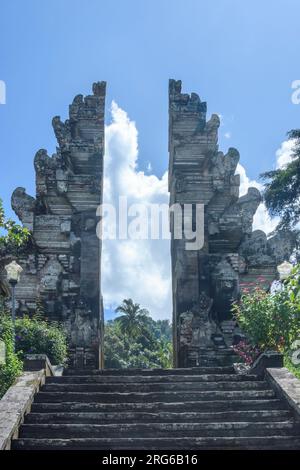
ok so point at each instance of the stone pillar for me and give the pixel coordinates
(205, 281)
(62, 265)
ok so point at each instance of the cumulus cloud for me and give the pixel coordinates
(284, 154)
(149, 167)
(262, 220)
(133, 268)
(141, 268)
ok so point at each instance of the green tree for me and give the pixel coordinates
(115, 347)
(165, 353)
(282, 188)
(133, 319)
(13, 236)
(165, 329)
(143, 343)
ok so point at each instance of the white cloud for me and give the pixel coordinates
(284, 154)
(245, 182)
(133, 268)
(262, 220)
(141, 268)
(227, 135)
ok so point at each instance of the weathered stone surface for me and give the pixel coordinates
(62, 267)
(200, 173)
(287, 387)
(16, 403)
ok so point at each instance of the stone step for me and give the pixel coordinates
(183, 406)
(272, 442)
(204, 409)
(164, 417)
(221, 429)
(167, 396)
(182, 371)
(136, 379)
(154, 387)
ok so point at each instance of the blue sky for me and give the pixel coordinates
(240, 56)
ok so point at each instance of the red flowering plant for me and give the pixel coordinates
(261, 283)
(270, 321)
(246, 352)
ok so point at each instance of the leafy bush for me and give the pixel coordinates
(36, 336)
(272, 320)
(13, 366)
(32, 336)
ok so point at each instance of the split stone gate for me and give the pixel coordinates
(61, 265)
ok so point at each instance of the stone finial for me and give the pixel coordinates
(99, 88)
(231, 160)
(174, 87)
(213, 124)
(61, 130)
(24, 206)
(42, 160)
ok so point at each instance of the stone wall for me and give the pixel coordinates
(61, 267)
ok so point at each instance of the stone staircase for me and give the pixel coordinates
(181, 409)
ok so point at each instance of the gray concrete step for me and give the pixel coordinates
(181, 406)
(181, 371)
(154, 387)
(220, 429)
(166, 396)
(136, 379)
(271, 442)
(195, 408)
(164, 417)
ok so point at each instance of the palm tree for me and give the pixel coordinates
(133, 319)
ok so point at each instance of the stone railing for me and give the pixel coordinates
(17, 401)
(287, 386)
(269, 366)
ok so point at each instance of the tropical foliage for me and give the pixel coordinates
(282, 188)
(36, 336)
(12, 235)
(133, 318)
(134, 339)
(271, 321)
(32, 336)
(13, 364)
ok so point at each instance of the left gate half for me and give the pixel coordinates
(61, 265)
